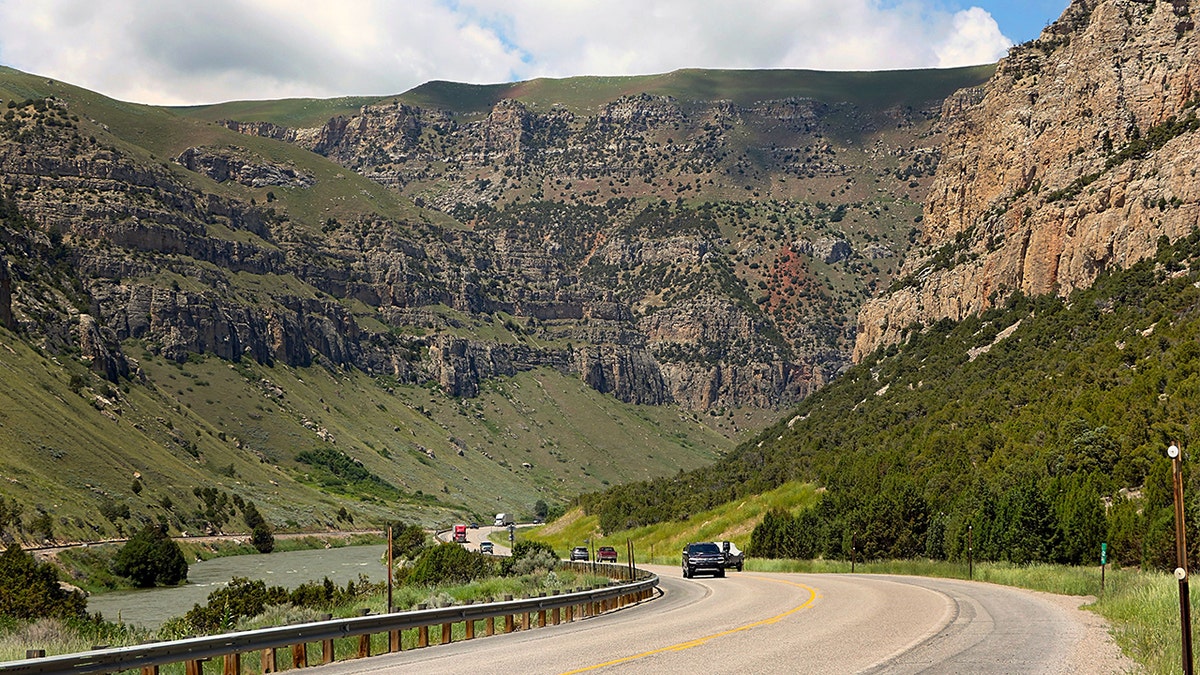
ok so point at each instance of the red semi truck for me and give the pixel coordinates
(460, 534)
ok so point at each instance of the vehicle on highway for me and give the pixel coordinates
(703, 556)
(606, 554)
(460, 534)
(485, 547)
(580, 553)
(734, 558)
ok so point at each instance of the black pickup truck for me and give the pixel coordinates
(704, 556)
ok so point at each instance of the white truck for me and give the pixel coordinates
(502, 519)
(733, 557)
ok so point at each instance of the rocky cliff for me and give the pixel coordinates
(696, 251)
(1078, 157)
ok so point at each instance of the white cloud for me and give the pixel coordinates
(975, 38)
(177, 51)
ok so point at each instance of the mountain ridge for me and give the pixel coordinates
(146, 248)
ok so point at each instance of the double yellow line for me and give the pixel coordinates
(812, 597)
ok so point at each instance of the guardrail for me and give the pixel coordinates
(516, 614)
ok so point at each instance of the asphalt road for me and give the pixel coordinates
(781, 623)
(477, 535)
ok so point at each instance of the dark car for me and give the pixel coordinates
(579, 553)
(704, 556)
(606, 554)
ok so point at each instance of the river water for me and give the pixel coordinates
(150, 607)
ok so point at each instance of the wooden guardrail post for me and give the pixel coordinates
(233, 664)
(541, 615)
(422, 631)
(489, 627)
(299, 656)
(267, 659)
(447, 633)
(150, 670)
(422, 637)
(395, 644)
(326, 651)
(364, 640)
(364, 645)
(194, 667)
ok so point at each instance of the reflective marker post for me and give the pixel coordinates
(970, 552)
(1181, 573)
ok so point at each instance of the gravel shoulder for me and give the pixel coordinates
(1097, 651)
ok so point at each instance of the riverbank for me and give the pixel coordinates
(89, 566)
(148, 608)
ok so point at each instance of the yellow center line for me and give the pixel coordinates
(813, 595)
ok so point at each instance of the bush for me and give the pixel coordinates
(262, 538)
(533, 562)
(408, 541)
(150, 558)
(448, 564)
(241, 599)
(30, 590)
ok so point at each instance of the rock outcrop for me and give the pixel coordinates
(6, 314)
(232, 164)
(1078, 158)
(640, 242)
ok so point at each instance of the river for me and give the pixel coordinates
(150, 607)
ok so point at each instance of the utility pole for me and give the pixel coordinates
(853, 550)
(389, 564)
(1181, 571)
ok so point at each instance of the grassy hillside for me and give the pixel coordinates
(1016, 424)
(661, 543)
(240, 428)
(156, 135)
(872, 89)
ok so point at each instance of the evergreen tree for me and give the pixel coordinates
(30, 590)
(150, 557)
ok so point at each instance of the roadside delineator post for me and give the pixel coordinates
(1103, 564)
(1181, 569)
(970, 552)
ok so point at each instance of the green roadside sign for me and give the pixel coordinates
(1104, 554)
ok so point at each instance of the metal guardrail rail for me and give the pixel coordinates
(230, 646)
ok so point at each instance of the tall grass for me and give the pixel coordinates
(74, 636)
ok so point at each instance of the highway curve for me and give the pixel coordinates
(784, 623)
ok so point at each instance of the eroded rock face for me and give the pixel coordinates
(1078, 158)
(232, 164)
(640, 243)
(6, 314)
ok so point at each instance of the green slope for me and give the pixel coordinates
(1017, 424)
(882, 89)
(73, 443)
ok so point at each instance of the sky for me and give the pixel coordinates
(182, 52)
